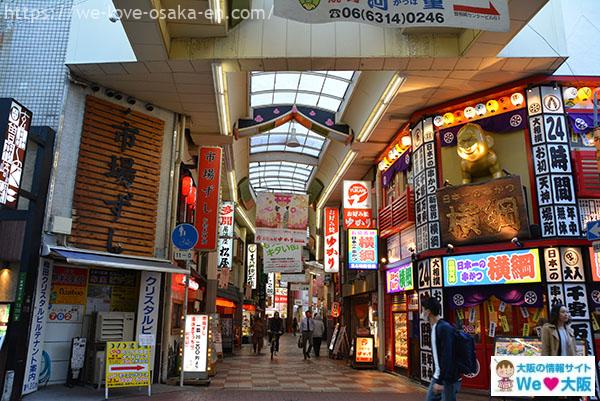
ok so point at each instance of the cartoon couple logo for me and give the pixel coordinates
(505, 370)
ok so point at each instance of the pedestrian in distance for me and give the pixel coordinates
(258, 333)
(318, 332)
(275, 329)
(295, 325)
(306, 328)
(445, 382)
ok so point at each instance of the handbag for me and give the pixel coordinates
(300, 342)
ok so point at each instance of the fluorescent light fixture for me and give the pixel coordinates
(246, 220)
(350, 156)
(222, 98)
(233, 186)
(215, 6)
(319, 211)
(318, 247)
(388, 95)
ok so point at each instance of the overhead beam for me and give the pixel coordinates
(284, 156)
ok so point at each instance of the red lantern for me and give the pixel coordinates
(190, 200)
(186, 186)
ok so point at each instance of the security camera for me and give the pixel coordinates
(131, 100)
(95, 88)
(114, 17)
(411, 249)
(516, 242)
(149, 107)
(109, 92)
(118, 96)
(449, 248)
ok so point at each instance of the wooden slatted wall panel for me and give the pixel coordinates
(135, 230)
(587, 175)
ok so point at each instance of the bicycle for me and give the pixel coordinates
(274, 340)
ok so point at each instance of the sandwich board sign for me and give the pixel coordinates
(127, 365)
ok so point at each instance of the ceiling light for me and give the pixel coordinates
(388, 95)
(350, 156)
(292, 140)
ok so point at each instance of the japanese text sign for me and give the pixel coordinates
(196, 343)
(332, 240)
(364, 350)
(543, 376)
(488, 15)
(148, 306)
(595, 264)
(225, 250)
(251, 266)
(282, 258)
(357, 204)
(489, 212)
(281, 218)
(399, 278)
(362, 249)
(509, 267)
(358, 218)
(209, 188)
(13, 144)
(127, 364)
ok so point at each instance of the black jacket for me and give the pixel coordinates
(444, 338)
(276, 325)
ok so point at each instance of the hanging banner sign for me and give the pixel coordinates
(195, 354)
(127, 364)
(281, 218)
(251, 266)
(271, 285)
(399, 279)
(509, 267)
(485, 15)
(294, 278)
(148, 305)
(362, 249)
(357, 204)
(209, 188)
(282, 258)
(332, 240)
(15, 121)
(225, 251)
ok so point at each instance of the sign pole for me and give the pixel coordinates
(185, 310)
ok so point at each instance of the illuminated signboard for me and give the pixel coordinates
(509, 267)
(399, 278)
(357, 204)
(196, 343)
(251, 265)
(332, 240)
(225, 254)
(364, 350)
(362, 249)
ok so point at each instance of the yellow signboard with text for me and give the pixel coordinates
(127, 364)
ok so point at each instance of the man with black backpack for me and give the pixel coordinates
(445, 382)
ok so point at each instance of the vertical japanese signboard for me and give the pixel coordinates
(549, 138)
(251, 266)
(127, 365)
(209, 184)
(332, 240)
(118, 179)
(357, 204)
(196, 343)
(362, 249)
(15, 121)
(225, 255)
(148, 305)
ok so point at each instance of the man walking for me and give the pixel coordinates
(306, 328)
(445, 383)
(318, 331)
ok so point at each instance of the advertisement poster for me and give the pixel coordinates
(127, 364)
(282, 258)
(4, 314)
(357, 204)
(595, 261)
(209, 188)
(62, 313)
(508, 267)
(225, 250)
(364, 350)
(399, 279)
(68, 286)
(485, 15)
(281, 218)
(332, 240)
(362, 249)
(196, 343)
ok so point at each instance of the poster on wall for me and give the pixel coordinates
(357, 204)
(282, 258)
(195, 354)
(362, 249)
(209, 188)
(68, 286)
(15, 122)
(4, 315)
(331, 263)
(489, 15)
(281, 218)
(493, 211)
(508, 267)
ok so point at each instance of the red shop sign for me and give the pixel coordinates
(357, 218)
(209, 187)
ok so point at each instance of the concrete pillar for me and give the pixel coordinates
(380, 288)
(211, 283)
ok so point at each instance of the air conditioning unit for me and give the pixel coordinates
(114, 326)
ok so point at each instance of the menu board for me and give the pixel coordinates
(401, 340)
(364, 350)
(526, 346)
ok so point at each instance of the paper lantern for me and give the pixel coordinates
(492, 106)
(570, 93)
(584, 94)
(448, 118)
(438, 121)
(470, 112)
(480, 109)
(186, 185)
(393, 154)
(503, 102)
(191, 198)
(517, 99)
(458, 116)
(382, 165)
(406, 141)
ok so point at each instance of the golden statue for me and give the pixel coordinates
(475, 148)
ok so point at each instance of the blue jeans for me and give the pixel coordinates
(448, 394)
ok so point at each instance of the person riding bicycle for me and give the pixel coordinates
(275, 329)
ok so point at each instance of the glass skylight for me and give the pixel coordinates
(280, 176)
(275, 140)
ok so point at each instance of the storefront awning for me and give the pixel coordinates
(102, 259)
